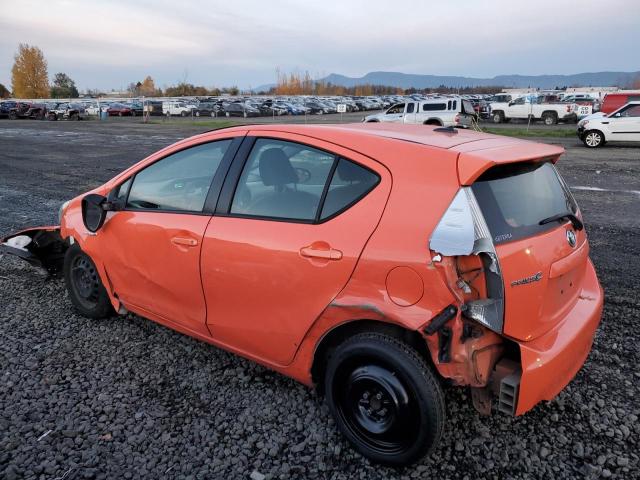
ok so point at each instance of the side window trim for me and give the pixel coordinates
(216, 182)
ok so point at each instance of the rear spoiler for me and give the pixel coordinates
(41, 246)
(475, 158)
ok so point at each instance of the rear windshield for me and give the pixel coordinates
(514, 198)
(468, 107)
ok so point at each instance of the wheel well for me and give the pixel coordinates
(433, 121)
(373, 121)
(342, 332)
(550, 112)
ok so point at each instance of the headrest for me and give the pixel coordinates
(350, 172)
(275, 168)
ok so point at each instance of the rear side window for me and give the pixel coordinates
(283, 180)
(434, 107)
(350, 183)
(410, 107)
(514, 198)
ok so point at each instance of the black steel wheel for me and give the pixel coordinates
(83, 283)
(385, 398)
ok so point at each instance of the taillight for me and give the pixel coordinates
(457, 119)
(568, 108)
(461, 232)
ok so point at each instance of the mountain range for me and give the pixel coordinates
(411, 80)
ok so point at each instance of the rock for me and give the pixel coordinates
(255, 475)
(622, 461)
(544, 452)
(459, 446)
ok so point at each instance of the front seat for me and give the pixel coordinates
(284, 201)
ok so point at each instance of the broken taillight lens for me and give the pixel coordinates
(463, 232)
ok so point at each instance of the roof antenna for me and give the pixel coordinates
(446, 130)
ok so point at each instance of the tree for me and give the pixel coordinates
(148, 87)
(4, 92)
(29, 77)
(63, 87)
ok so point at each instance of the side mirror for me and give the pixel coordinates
(512, 104)
(94, 211)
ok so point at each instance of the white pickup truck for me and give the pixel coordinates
(444, 112)
(525, 107)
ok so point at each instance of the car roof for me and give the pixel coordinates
(473, 152)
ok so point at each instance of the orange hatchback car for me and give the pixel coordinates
(376, 262)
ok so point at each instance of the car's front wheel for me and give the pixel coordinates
(86, 291)
(385, 398)
(593, 139)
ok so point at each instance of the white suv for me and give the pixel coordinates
(443, 112)
(623, 125)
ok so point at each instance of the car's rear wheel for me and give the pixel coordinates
(549, 119)
(593, 139)
(385, 398)
(498, 117)
(86, 291)
(183, 113)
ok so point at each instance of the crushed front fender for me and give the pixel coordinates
(40, 246)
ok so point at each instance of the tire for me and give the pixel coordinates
(197, 114)
(119, 114)
(83, 283)
(367, 377)
(549, 119)
(75, 117)
(13, 116)
(497, 117)
(133, 113)
(213, 114)
(52, 117)
(593, 139)
(183, 113)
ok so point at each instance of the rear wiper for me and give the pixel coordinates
(575, 221)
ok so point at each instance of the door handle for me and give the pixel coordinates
(187, 242)
(326, 253)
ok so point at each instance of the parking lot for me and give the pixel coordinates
(127, 398)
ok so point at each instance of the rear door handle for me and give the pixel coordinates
(328, 254)
(187, 242)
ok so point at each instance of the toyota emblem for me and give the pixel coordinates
(571, 238)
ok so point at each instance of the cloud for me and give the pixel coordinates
(111, 43)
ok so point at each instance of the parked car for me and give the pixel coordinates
(67, 111)
(119, 109)
(208, 109)
(537, 109)
(243, 231)
(177, 107)
(153, 107)
(444, 112)
(623, 125)
(240, 110)
(6, 107)
(613, 101)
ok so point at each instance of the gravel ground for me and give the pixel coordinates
(127, 398)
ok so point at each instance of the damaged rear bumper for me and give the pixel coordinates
(41, 246)
(550, 362)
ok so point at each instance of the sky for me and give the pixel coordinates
(107, 44)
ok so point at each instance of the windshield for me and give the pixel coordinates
(514, 198)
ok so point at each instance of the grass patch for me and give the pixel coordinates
(213, 124)
(532, 132)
